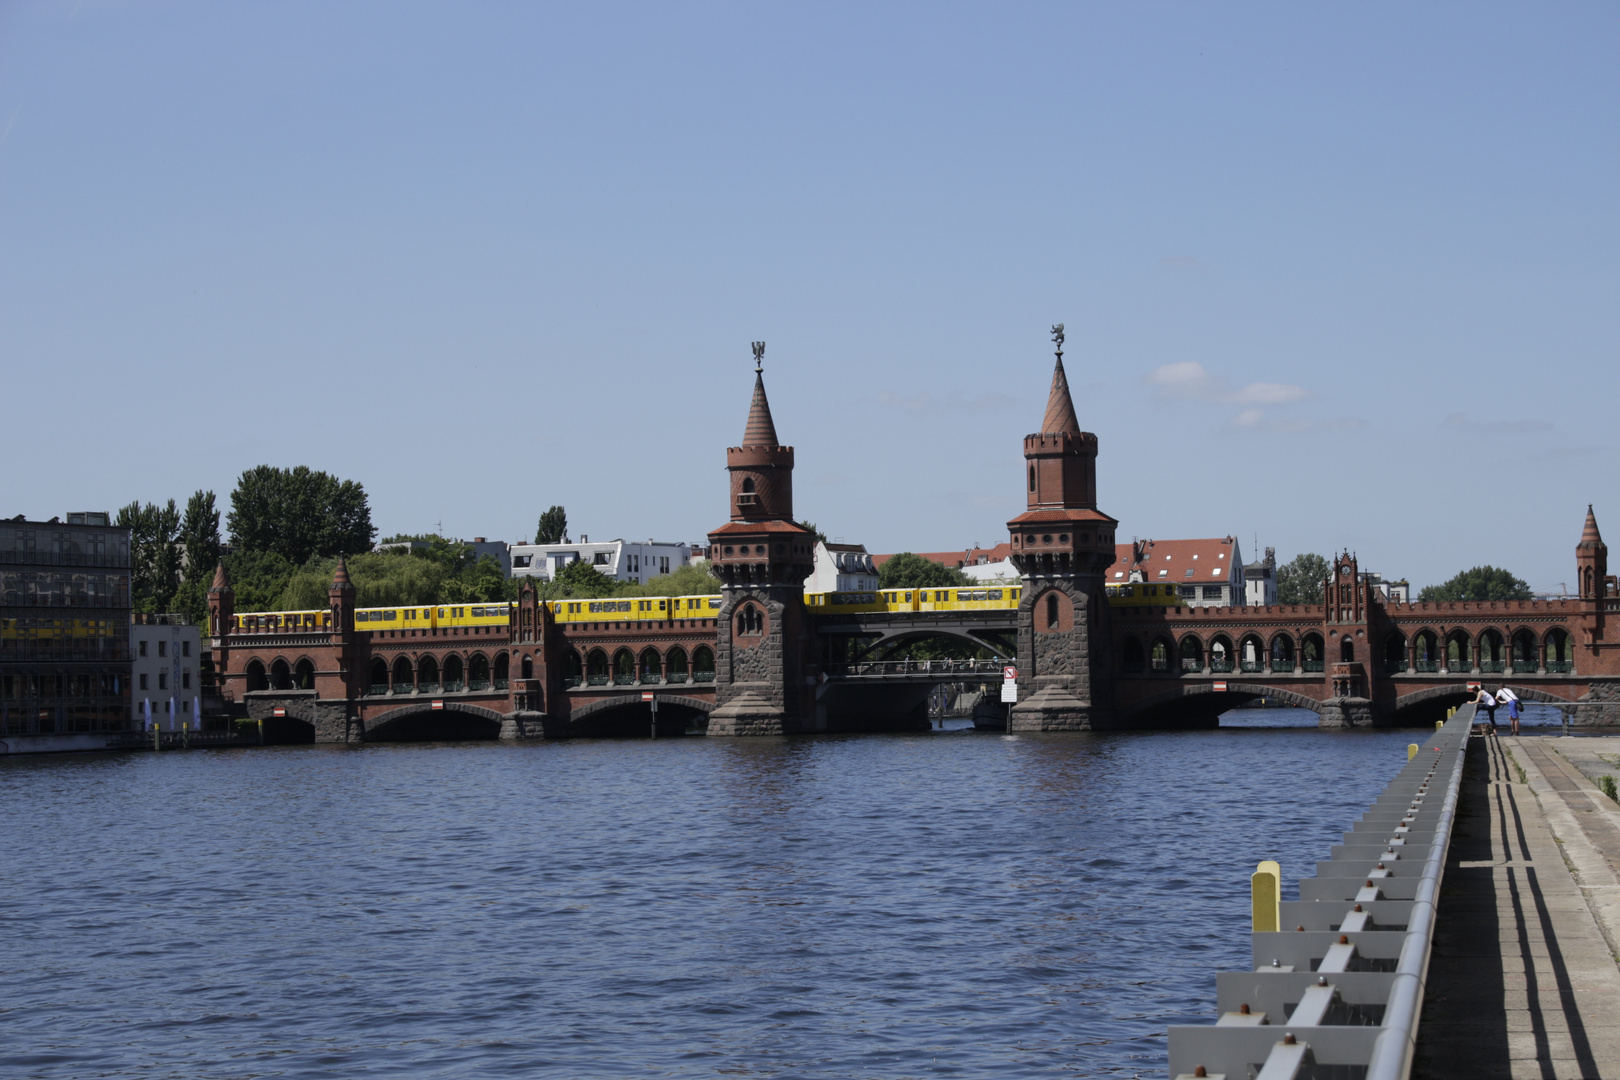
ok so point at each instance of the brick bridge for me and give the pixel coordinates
(764, 663)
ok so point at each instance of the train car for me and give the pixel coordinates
(1141, 594)
(288, 622)
(13, 632)
(634, 609)
(395, 618)
(845, 603)
(694, 607)
(489, 613)
(976, 598)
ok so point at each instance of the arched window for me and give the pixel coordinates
(1051, 611)
(1252, 652)
(379, 676)
(1130, 656)
(1395, 652)
(675, 665)
(703, 664)
(304, 675)
(1490, 651)
(404, 680)
(1192, 654)
(1221, 657)
(503, 669)
(1458, 657)
(624, 668)
(1427, 647)
(650, 665)
(1312, 652)
(1159, 658)
(1524, 651)
(453, 673)
(1559, 655)
(748, 484)
(750, 621)
(1032, 478)
(1282, 653)
(596, 668)
(427, 675)
(280, 676)
(1347, 650)
(478, 672)
(255, 676)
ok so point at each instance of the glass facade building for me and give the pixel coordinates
(64, 626)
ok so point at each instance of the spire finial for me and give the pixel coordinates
(759, 357)
(1057, 339)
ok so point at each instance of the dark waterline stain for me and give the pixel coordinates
(956, 904)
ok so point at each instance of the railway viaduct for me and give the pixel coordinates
(765, 664)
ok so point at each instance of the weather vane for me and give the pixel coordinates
(1057, 339)
(759, 356)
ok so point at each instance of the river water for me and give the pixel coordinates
(955, 904)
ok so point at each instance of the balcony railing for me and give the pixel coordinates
(1524, 667)
(1314, 665)
(377, 690)
(428, 688)
(404, 688)
(1393, 666)
(624, 680)
(1281, 665)
(675, 677)
(1220, 665)
(1253, 665)
(1428, 665)
(502, 684)
(597, 680)
(703, 676)
(649, 676)
(1192, 664)
(1490, 665)
(478, 684)
(1560, 665)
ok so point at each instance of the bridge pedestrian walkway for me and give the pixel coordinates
(1522, 981)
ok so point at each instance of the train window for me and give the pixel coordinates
(994, 594)
(908, 598)
(714, 602)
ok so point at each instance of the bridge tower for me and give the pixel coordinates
(762, 557)
(1592, 570)
(1349, 605)
(1062, 545)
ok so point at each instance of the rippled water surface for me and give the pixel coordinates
(955, 904)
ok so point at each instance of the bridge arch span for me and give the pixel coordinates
(420, 722)
(1200, 704)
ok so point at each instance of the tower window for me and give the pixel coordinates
(1051, 611)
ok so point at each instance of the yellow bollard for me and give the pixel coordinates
(1411, 750)
(1438, 724)
(1265, 888)
(261, 732)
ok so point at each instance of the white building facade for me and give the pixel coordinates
(621, 560)
(842, 568)
(164, 653)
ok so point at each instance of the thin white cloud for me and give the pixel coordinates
(1188, 380)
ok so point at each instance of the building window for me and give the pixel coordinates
(163, 680)
(1212, 592)
(143, 677)
(143, 650)
(185, 648)
(1051, 611)
(520, 560)
(163, 648)
(185, 680)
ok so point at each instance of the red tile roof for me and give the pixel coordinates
(1181, 561)
(957, 559)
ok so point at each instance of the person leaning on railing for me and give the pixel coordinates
(1487, 701)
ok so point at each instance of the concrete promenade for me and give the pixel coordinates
(1523, 980)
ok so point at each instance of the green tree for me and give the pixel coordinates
(821, 537)
(258, 579)
(693, 579)
(299, 514)
(552, 527)
(481, 581)
(381, 579)
(580, 579)
(908, 571)
(1480, 583)
(154, 554)
(1301, 580)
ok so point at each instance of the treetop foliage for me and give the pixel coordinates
(1301, 580)
(693, 579)
(821, 537)
(154, 554)
(1479, 583)
(552, 527)
(909, 571)
(299, 514)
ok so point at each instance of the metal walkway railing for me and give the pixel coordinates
(1338, 974)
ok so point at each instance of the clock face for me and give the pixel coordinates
(1345, 571)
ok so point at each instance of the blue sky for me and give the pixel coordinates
(1332, 276)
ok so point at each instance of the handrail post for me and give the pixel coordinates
(1265, 894)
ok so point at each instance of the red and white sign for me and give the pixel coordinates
(438, 705)
(278, 712)
(1009, 673)
(1220, 688)
(646, 695)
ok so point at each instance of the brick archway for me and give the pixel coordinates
(473, 721)
(1238, 691)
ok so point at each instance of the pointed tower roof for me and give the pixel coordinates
(340, 580)
(1060, 418)
(222, 580)
(761, 429)
(1589, 534)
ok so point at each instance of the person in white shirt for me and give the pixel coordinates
(1507, 697)
(1487, 701)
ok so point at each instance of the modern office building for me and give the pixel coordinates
(64, 632)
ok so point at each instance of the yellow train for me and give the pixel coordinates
(981, 598)
(415, 617)
(635, 609)
(1142, 594)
